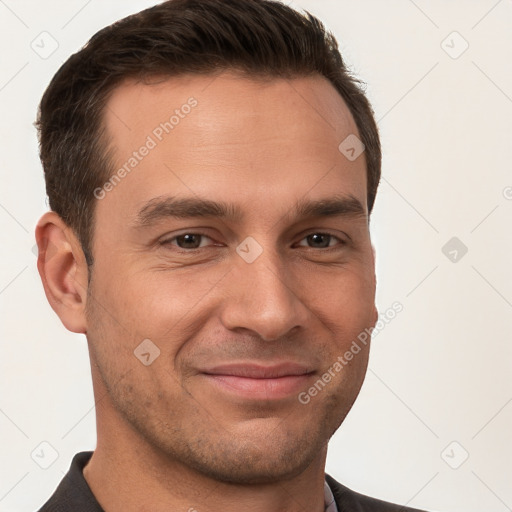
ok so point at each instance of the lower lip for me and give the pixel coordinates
(261, 389)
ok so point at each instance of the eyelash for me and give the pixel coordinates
(324, 249)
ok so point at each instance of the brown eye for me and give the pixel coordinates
(321, 240)
(188, 241)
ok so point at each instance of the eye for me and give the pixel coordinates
(193, 241)
(321, 240)
(188, 241)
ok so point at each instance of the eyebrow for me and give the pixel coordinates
(164, 207)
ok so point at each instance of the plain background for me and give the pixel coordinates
(439, 385)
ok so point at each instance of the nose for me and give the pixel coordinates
(264, 298)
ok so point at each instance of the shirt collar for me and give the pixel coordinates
(330, 504)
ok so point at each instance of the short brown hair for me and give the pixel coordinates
(260, 38)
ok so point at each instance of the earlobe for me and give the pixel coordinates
(63, 270)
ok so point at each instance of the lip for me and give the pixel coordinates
(259, 382)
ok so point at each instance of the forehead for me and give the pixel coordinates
(260, 142)
(232, 92)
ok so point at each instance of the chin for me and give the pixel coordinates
(255, 467)
(257, 455)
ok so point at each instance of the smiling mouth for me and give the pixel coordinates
(258, 382)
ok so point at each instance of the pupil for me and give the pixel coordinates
(317, 238)
(188, 241)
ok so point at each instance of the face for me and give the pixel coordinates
(237, 246)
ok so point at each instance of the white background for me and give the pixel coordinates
(439, 372)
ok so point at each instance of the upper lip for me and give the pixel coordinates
(259, 371)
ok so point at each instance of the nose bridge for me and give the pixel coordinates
(262, 297)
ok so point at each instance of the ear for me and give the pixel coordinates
(63, 270)
(375, 313)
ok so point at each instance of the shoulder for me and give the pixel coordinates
(73, 493)
(348, 500)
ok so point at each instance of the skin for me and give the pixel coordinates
(168, 437)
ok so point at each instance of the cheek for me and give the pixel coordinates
(348, 314)
(343, 297)
(170, 304)
(132, 362)
(152, 299)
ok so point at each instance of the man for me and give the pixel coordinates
(211, 167)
